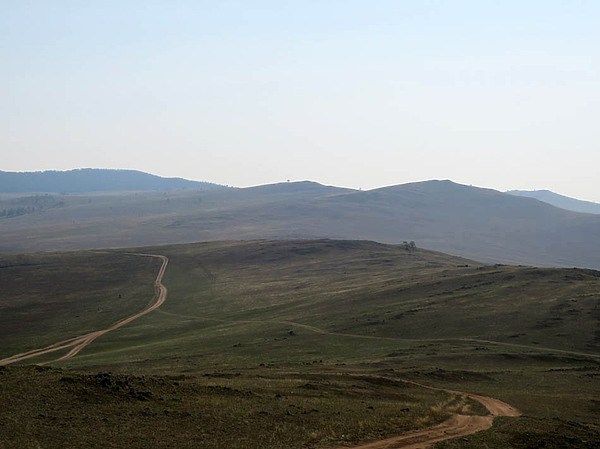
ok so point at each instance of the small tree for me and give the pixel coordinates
(409, 246)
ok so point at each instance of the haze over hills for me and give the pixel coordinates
(564, 202)
(481, 224)
(92, 180)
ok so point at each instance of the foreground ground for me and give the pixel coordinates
(211, 410)
(273, 336)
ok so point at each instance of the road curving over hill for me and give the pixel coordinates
(453, 427)
(456, 426)
(76, 344)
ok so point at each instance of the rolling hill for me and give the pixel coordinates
(481, 224)
(298, 343)
(564, 202)
(92, 180)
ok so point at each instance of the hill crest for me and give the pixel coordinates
(85, 180)
(558, 200)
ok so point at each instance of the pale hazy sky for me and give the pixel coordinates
(501, 94)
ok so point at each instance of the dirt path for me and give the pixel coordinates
(456, 426)
(78, 343)
(375, 337)
(537, 348)
(287, 323)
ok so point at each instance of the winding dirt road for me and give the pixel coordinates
(78, 343)
(456, 426)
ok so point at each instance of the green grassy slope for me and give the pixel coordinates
(372, 289)
(48, 297)
(264, 312)
(99, 410)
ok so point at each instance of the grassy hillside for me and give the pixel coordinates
(48, 297)
(294, 323)
(480, 224)
(209, 411)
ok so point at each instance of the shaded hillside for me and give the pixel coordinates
(564, 202)
(480, 224)
(92, 180)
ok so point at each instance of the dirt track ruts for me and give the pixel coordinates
(78, 343)
(455, 426)
(318, 330)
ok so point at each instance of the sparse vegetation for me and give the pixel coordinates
(16, 207)
(301, 319)
(209, 410)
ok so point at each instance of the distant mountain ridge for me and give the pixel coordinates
(87, 180)
(564, 202)
(480, 224)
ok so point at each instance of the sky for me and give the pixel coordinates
(362, 94)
